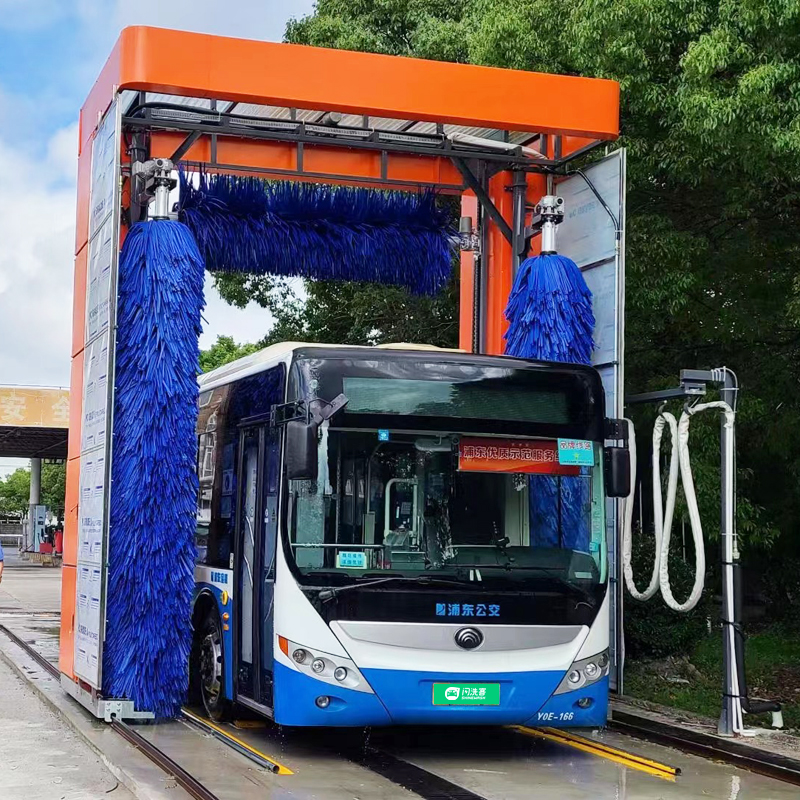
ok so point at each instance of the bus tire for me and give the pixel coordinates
(211, 669)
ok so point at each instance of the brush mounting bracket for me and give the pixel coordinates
(153, 179)
(548, 213)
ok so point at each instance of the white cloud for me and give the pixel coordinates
(37, 211)
(61, 159)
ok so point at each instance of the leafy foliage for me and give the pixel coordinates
(711, 119)
(54, 483)
(223, 351)
(652, 630)
(345, 312)
(15, 490)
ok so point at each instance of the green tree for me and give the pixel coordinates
(223, 351)
(14, 492)
(710, 93)
(346, 313)
(54, 481)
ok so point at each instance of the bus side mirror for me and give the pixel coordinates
(301, 450)
(617, 471)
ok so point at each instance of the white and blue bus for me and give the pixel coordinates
(402, 535)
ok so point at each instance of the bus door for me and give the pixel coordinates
(256, 533)
(272, 456)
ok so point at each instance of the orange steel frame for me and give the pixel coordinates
(576, 110)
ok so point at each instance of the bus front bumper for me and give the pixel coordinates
(406, 698)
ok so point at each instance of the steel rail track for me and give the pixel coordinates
(183, 778)
(771, 765)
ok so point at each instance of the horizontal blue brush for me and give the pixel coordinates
(319, 231)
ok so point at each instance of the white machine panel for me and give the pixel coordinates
(97, 399)
(596, 243)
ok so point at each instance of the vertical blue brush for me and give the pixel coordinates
(550, 318)
(154, 483)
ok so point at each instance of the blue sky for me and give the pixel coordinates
(50, 53)
(51, 50)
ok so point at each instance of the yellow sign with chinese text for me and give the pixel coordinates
(31, 407)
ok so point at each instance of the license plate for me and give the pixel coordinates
(466, 694)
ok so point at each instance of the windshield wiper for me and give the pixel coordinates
(548, 571)
(426, 580)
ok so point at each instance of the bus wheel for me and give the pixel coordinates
(212, 670)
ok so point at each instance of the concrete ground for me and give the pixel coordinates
(43, 756)
(28, 587)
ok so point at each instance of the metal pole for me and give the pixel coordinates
(730, 555)
(34, 498)
(519, 246)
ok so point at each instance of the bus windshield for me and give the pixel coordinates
(498, 512)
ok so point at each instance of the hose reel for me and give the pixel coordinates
(735, 699)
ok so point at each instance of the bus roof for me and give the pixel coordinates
(282, 352)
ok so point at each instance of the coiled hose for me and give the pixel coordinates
(680, 465)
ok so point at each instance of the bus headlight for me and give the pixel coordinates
(339, 671)
(584, 673)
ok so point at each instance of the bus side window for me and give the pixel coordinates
(206, 447)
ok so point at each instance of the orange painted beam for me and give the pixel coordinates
(71, 511)
(79, 298)
(497, 261)
(266, 73)
(320, 163)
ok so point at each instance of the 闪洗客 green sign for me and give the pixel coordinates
(466, 694)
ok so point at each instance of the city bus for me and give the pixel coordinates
(402, 535)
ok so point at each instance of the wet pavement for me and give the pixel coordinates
(492, 763)
(41, 756)
(498, 764)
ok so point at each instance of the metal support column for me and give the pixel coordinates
(34, 498)
(731, 691)
(483, 198)
(519, 243)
